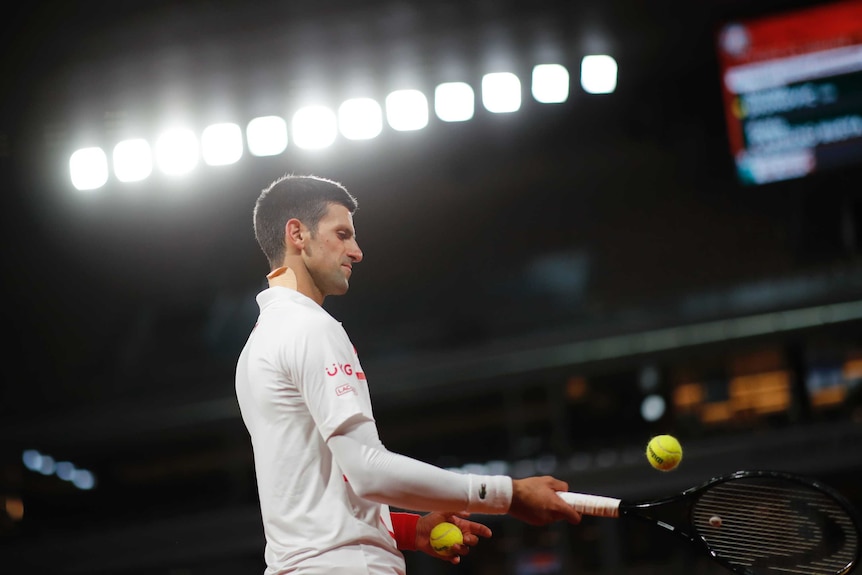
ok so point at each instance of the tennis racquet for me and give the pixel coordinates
(752, 522)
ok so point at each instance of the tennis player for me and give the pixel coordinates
(325, 481)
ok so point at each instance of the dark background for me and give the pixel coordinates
(517, 268)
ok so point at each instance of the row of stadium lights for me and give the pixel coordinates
(66, 470)
(177, 151)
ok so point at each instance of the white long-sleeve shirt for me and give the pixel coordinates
(325, 480)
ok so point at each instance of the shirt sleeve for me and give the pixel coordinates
(386, 477)
(326, 372)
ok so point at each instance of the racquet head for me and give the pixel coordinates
(762, 523)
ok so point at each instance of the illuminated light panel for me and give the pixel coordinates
(14, 508)
(177, 151)
(314, 127)
(83, 479)
(716, 412)
(360, 119)
(829, 396)
(88, 168)
(221, 144)
(454, 102)
(653, 407)
(852, 369)
(32, 459)
(550, 83)
(407, 110)
(266, 136)
(47, 465)
(689, 395)
(767, 392)
(577, 388)
(65, 470)
(133, 160)
(598, 74)
(501, 92)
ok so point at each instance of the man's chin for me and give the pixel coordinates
(340, 289)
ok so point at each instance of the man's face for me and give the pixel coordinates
(332, 251)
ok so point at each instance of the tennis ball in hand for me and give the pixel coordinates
(664, 452)
(444, 536)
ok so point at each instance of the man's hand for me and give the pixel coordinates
(471, 531)
(535, 501)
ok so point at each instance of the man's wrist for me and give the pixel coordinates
(490, 494)
(404, 530)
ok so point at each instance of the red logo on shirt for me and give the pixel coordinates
(344, 368)
(342, 389)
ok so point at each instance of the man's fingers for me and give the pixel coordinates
(558, 484)
(571, 516)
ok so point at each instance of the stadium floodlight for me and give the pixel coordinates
(32, 459)
(177, 151)
(48, 465)
(599, 74)
(133, 160)
(550, 83)
(266, 136)
(65, 470)
(83, 479)
(88, 168)
(653, 407)
(360, 119)
(454, 101)
(407, 110)
(314, 127)
(221, 144)
(501, 92)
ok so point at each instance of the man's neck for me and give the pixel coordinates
(282, 277)
(285, 277)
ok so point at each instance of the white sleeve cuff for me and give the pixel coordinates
(490, 494)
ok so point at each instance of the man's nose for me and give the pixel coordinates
(355, 254)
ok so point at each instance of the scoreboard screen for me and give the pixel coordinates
(792, 91)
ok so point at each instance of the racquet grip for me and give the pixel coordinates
(595, 505)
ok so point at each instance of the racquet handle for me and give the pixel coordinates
(595, 505)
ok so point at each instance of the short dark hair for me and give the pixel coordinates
(305, 198)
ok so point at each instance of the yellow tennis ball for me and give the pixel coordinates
(444, 536)
(664, 452)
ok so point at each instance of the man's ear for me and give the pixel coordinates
(295, 233)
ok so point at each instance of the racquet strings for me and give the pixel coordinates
(772, 526)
